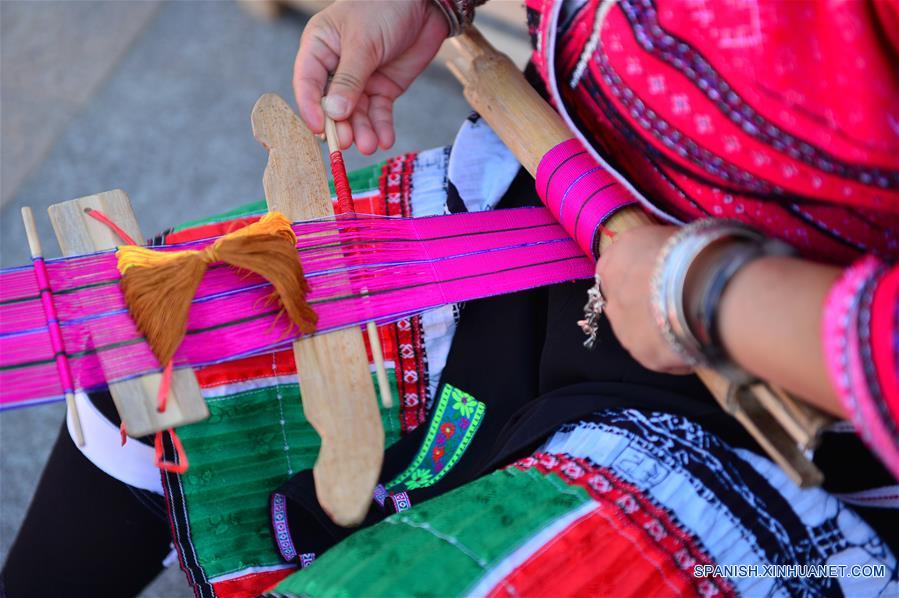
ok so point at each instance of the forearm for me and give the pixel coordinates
(770, 324)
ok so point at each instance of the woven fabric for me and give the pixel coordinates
(624, 503)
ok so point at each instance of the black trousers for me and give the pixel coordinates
(86, 533)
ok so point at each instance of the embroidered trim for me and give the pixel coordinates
(844, 339)
(282, 531)
(380, 494)
(456, 419)
(401, 501)
(306, 559)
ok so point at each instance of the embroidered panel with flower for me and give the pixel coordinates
(456, 420)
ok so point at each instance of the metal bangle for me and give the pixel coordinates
(453, 18)
(706, 319)
(670, 275)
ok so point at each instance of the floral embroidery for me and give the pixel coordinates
(463, 403)
(421, 478)
(456, 419)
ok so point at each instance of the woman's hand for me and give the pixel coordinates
(375, 49)
(626, 269)
(769, 317)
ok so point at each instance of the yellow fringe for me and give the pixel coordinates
(159, 286)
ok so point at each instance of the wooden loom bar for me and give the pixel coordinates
(135, 399)
(529, 127)
(336, 386)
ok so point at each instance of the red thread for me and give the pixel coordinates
(604, 231)
(182, 465)
(98, 215)
(341, 184)
(123, 433)
(162, 395)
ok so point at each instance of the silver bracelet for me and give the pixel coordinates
(449, 10)
(669, 278)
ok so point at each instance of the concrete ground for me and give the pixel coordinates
(153, 98)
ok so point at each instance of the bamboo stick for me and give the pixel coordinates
(374, 339)
(37, 255)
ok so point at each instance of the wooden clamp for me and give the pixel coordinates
(529, 127)
(336, 385)
(135, 399)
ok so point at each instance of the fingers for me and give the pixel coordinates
(353, 71)
(380, 112)
(315, 59)
(363, 133)
(344, 133)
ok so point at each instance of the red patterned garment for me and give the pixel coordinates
(784, 115)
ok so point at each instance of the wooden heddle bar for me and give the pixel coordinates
(135, 399)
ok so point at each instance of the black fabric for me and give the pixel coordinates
(85, 534)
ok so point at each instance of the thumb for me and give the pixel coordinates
(348, 82)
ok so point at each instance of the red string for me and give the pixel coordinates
(98, 215)
(182, 465)
(123, 433)
(604, 231)
(162, 395)
(341, 184)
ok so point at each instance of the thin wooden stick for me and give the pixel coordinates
(374, 339)
(62, 361)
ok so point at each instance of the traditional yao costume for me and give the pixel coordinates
(520, 463)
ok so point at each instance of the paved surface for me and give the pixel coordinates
(153, 98)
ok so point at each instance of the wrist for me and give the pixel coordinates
(694, 270)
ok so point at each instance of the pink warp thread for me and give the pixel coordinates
(405, 265)
(579, 192)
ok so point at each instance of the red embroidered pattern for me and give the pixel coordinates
(658, 525)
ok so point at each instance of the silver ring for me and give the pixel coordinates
(592, 312)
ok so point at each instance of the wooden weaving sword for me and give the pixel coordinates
(336, 386)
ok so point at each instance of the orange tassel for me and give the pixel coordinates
(159, 286)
